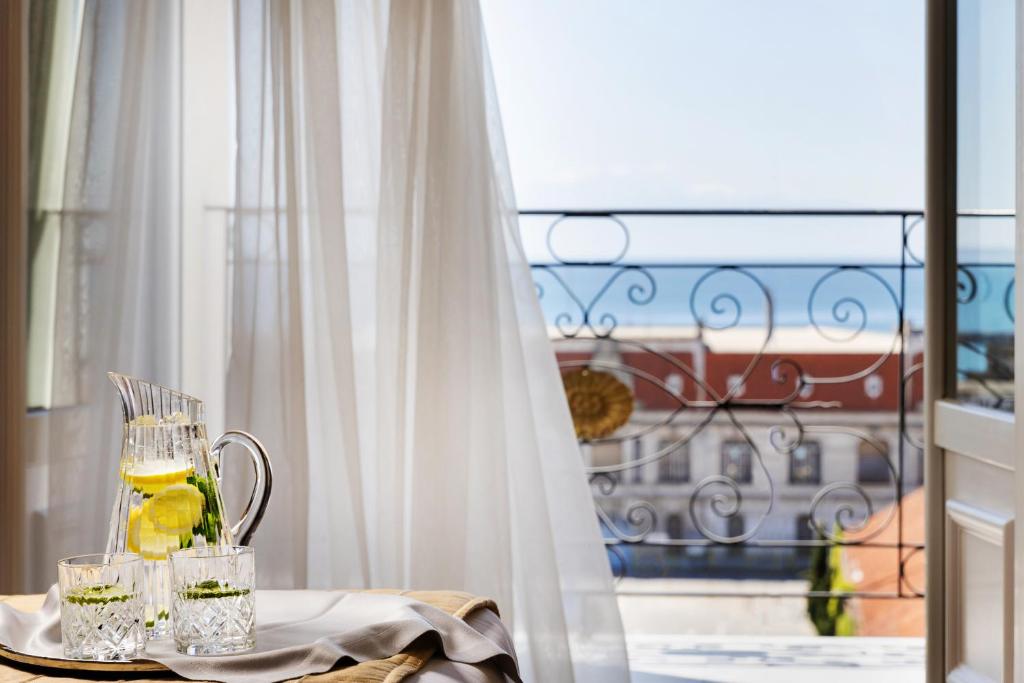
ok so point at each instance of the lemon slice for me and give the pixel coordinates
(176, 509)
(144, 539)
(152, 477)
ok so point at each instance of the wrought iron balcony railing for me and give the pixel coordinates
(776, 390)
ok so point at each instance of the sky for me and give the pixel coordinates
(711, 103)
(731, 104)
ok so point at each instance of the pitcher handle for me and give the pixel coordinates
(242, 531)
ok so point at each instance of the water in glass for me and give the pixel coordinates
(214, 600)
(101, 606)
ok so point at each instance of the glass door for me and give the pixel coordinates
(970, 274)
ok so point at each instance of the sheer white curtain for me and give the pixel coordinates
(386, 341)
(105, 269)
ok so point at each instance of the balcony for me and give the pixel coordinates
(792, 659)
(775, 401)
(773, 445)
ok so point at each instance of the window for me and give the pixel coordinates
(804, 532)
(674, 468)
(52, 346)
(637, 476)
(735, 527)
(872, 466)
(874, 386)
(674, 525)
(805, 463)
(986, 200)
(736, 458)
(804, 528)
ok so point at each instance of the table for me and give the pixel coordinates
(419, 663)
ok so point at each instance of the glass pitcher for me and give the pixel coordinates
(169, 487)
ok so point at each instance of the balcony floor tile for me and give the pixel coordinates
(786, 659)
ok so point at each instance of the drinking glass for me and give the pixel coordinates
(213, 599)
(102, 606)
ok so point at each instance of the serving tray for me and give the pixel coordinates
(134, 665)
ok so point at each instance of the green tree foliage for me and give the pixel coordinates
(828, 614)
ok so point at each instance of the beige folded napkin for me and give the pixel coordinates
(297, 633)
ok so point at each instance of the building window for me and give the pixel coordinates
(736, 459)
(804, 528)
(873, 387)
(674, 526)
(638, 470)
(55, 257)
(872, 466)
(674, 468)
(735, 528)
(804, 532)
(805, 463)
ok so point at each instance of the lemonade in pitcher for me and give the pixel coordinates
(169, 495)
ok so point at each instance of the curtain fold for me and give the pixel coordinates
(386, 339)
(105, 264)
(386, 342)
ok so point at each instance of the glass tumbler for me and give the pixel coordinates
(213, 599)
(102, 606)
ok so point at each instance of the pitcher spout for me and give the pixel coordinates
(141, 398)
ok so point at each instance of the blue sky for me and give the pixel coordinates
(798, 104)
(711, 103)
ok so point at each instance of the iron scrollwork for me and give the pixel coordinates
(843, 303)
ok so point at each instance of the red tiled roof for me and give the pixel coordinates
(880, 573)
